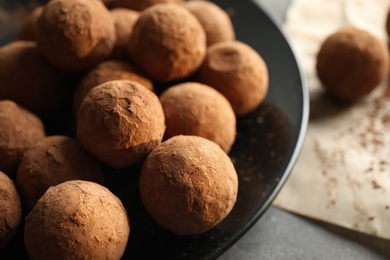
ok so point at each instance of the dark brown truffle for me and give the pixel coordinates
(108, 71)
(10, 209)
(120, 122)
(124, 20)
(140, 5)
(75, 34)
(77, 220)
(351, 63)
(19, 129)
(188, 185)
(29, 80)
(196, 109)
(51, 161)
(168, 43)
(28, 31)
(215, 21)
(237, 71)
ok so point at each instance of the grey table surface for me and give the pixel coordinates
(283, 235)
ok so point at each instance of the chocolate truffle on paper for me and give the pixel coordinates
(108, 71)
(28, 31)
(237, 71)
(196, 109)
(11, 209)
(77, 220)
(51, 161)
(76, 34)
(19, 129)
(140, 5)
(124, 20)
(351, 62)
(188, 185)
(215, 21)
(28, 79)
(168, 43)
(120, 122)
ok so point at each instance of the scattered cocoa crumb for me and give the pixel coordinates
(387, 207)
(277, 180)
(371, 218)
(375, 185)
(246, 179)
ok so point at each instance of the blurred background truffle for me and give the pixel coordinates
(139, 5)
(75, 34)
(215, 21)
(237, 71)
(29, 28)
(351, 62)
(168, 43)
(195, 109)
(19, 129)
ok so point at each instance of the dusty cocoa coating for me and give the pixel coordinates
(29, 80)
(10, 209)
(196, 109)
(28, 31)
(108, 71)
(120, 122)
(76, 34)
(215, 21)
(51, 161)
(188, 185)
(168, 43)
(19, 129)
(237, 71)
(77, 220)
(140, 5)
(351, 62)
(124, 20)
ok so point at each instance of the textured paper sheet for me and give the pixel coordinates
(343, 173)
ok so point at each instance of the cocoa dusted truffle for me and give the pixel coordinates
(188, 185)
(124, 20)
(108, 71)
(140, 5)
(196, 109)
(120, 122)
(29, 80)
(168, 43)
(77, 220)
(351, 62)
(237, 71)
(76, 34)
(51, 161)
(29, 28)
(10, 209)
(19, 129)
(215, 21)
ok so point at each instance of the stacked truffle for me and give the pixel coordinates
(161, 86)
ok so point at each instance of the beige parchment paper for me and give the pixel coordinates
(342, 175)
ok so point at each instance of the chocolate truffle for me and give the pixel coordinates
(188, 185)
(196, 109)
(140, 5)
(124, 20)
(168, 43)
(77, 220)
(108, 71)
(51, 161)
(29, 28)
(29, 80)
(237, 71)
(120, 122)
(76, 34)
(19, 129)
(351, 62)
(215, 21)
(10, 209)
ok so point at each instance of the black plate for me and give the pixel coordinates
(267, 146)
